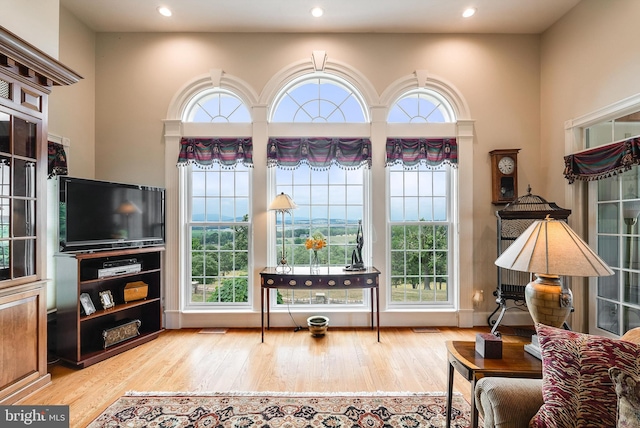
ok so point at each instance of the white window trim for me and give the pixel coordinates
(578, 194)
(378, 129)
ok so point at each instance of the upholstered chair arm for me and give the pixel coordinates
(508, 402)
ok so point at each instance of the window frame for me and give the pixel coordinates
(445, 108)
(185, 188)
(189, 223)
(378, 129)
(274, 247)
(584, 198)
(191, 109)
(326, 130)
(300, 81)
(452, 259)
(445, 129)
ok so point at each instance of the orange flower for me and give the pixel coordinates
(315, 242)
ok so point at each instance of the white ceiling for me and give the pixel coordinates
(341, 16)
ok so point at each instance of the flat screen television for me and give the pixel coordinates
(98, 215)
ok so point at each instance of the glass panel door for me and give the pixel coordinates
(19, 138)
(618, 296)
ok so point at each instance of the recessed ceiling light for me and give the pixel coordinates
(317, 12)
(164, 11)
(469, 12)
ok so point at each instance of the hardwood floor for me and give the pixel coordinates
(346, 360)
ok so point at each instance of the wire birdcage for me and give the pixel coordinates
(513, 220)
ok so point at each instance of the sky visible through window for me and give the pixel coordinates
(419, 194)
(318, 100)
(218, 107)
(220, 195)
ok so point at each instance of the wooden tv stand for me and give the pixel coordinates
(79, 336)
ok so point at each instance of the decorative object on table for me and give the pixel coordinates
(261, 409)
(87, 304)
(106, 299)
(489, 345)
(283, 204)
(550, 248)
(135, 291)
(318, 325)
(126, 330)
(315, 243)
(356, 257)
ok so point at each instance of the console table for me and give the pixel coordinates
(328, 278)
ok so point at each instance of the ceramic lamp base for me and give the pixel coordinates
(548, 302)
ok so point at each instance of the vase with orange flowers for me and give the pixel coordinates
(315, 243)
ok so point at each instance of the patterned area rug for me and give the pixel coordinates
(269, 409)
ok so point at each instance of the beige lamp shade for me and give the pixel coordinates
(283, 203)
(551, 247)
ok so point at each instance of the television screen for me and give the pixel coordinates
(100, 215)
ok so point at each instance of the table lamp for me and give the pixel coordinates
(550, 249)
(283, 204)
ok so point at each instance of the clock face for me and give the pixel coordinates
(506, 165)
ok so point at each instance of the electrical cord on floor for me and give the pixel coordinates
(298, 327)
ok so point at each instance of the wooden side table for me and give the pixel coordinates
(462, 356)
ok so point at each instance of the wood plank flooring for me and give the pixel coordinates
(345, 360)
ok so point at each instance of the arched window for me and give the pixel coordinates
(320, 99)
(216, 191)
(421, 106)
(326, 176)
(420, 217)
(216, 106)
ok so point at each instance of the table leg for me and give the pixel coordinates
(474, 409)
(378, 310)
(262, 312)
(449, 394)
(372, 309)
(268, 309)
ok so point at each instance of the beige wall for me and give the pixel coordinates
(72, 108)
(60, 34)
(498, 75)
(137, 75)
(588, 63)
(35, 21)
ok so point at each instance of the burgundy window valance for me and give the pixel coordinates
(319, 153)
(225, 151)
(56, 159)
(428, 151)
(603, 161)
